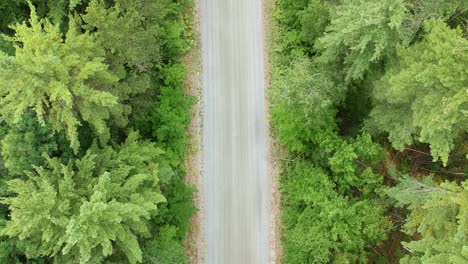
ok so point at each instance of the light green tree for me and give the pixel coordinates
(304, 101)
(63, 79)
(439, 214)
(425, 93)
(90, 208)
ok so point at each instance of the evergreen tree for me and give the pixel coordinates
(64, 81)
(438, 213)
(424, 94)
(25, 143)
(361, 34)
(90, 208)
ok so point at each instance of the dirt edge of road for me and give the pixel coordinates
(194, 241)
(274, 149)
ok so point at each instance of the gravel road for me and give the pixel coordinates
(235, 142)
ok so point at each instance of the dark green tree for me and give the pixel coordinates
(165, 248)
(361, 34)
(25, 143)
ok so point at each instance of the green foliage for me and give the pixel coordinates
(351, 164)
(165, 249)
(89, 208)
(172, 114)
(361, 34)
(124, 33)
(26, 141)
(314, 20)
(423, 10)
(424, 94)
(303, 104)
(343, 66)
(438, 213)
(6, 45)
(12, 12)
(179, 207)
(322, 226)
(76, 81)
(63, 81)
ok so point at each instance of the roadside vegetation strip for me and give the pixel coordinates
(194, 241)
(343, 104)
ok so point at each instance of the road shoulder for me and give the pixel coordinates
(275, 152)
(193, 61)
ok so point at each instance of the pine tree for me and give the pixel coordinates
(361, 34)
(63, 79)
(90, 208)
(25, 143)
(424, 94)
(439, 214)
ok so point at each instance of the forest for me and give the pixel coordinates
(93, 116)
(369, 105)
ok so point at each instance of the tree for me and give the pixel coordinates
(438, 214)
(424, 93)
(304, 103)
(322, 226)
(423, 10)
(165, 248)
(25, 143)
(314, 20)
(128, 37)
(90, 208)
(172, 113)
(63, 81)
(361, 34)
(351, 162)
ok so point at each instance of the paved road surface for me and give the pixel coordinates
(235, 139)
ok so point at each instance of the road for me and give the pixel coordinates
(235, 139)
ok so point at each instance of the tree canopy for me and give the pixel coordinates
(93, 139)
(63, 79)
(358, 85)
(89, 208)
(425, 95)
